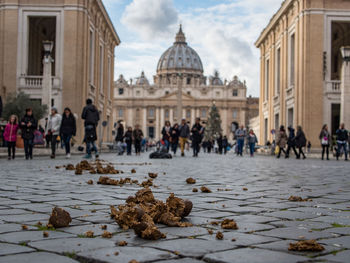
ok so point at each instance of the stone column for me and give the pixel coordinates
(129, 120)
(157, 122)
(144, 121)
(193, 115)
(47, 83)
(161, 117)
(179, 98)
(171, 116)
(345, 89)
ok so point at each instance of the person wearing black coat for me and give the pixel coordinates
(291, 142)
(128, 140)
(342, 139)
(175, 133)
(68, 129)
(91, 116)
(300, 142)
(197, 131)
(224, 144)
(219, 141)
(28, 125)
(120, 132)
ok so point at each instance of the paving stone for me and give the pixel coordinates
(36, 257)
(71, 245)
(190, 247)
(342, 256)
(252, 256)
(4, 228)
(30, 235)
(296, 233)
(126, 254)
(7, 249)
(241, 239)
(96, 228)
(25, 218)
(343, 242)
(181, 260)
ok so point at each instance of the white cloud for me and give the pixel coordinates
(222, 34)
(150, 18)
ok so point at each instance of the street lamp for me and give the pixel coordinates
(48, 46)
(47, 81)
(345, 52)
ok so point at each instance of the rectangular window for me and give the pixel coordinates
(151, 113)
(166, 114)
(235, 93)
(109, 77)
(234, 114)
(101, 69)
(120, 91)
(204, 113)
(91, 57)
(188, 114)
(292, 61)
(290, 117)
(267, 80)
(277, 121)
(278, 72)
(121, 113)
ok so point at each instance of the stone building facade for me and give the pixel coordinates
(84, 42)
(180, 86)
(301, 67)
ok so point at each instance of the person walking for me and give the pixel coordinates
(174, 138)
(28, 126)
(252, 140)
(241, 134)
(224, 144)
(219, 142)
(10, 136)
(184, 133)
(300, 142)
(291, 142)
(137, 135)
(68, 129)
(119, 137)
(128, 140)
(166, 132)
(281, 141)
(196, 130)
(325, 138)
(342, 139)
(54, 128)
(91, 116)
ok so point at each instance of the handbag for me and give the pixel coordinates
(324, 140)
(277, 149)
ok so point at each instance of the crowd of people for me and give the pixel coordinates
(183, 136)
(62, 128)
(297, 141)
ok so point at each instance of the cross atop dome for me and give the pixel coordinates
(180, 36)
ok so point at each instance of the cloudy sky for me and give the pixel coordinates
(222, 32)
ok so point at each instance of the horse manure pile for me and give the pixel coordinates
(97, 167)
(229, 224)
(105, 180)
(306, 245)
(190, 180)
(59, 218)
(142, 212)
(293, 198)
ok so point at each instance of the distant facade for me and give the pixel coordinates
(302, 66)
(180, 69)
(84, 41)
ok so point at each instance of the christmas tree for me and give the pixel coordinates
(213, 127)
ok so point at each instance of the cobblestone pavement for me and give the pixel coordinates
(267, 221)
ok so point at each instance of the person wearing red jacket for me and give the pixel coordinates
(10, 136)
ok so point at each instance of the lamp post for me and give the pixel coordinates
(47, 82)
(345, 87)
(179, 98)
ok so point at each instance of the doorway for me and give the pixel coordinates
(335, 117)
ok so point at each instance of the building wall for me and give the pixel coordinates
(75, 19)
(310, 96)
(164, 98)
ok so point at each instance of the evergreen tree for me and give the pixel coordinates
(213, 127)
(17, 104)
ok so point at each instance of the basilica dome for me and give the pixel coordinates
(180, 58)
